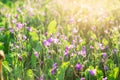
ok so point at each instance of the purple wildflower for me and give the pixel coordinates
(66, 49)
(82, 78)
(53, 71)
(72, 46)
(41, 78)
(92, 72)
(46, 43)
(104, 78)
(78, 66)
(16, 16)
(105, 67)
(114, 50)
(12, 30)
(75, 31)
(104, 55)
(1, 29)
(90, 39)
(91, 47)
(24, 37)
(83, 51)
(20, 58)
(71, 20)
(36, 54)
(19, 26)
(65, 53)
(61, 58)
(54, 65)
(55, 40)
(101, 46)
(14, 21)
(50, 40)
(29, 29)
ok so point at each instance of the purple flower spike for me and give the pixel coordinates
(114, 50)
(92, 72)
(19, 25)
(91, 47)
(54, 70)
(29, 29)
(83, 51)
(20, 58)
(36, 54)
(50, 40)
(65, 53)
(41, 78)
(46, 43)
(104, 55)
(82, 78)
(66, 48)
(105, 67)
(12, 30)
(1, 29)
(55, 64)
(78, 66)
(104, 78)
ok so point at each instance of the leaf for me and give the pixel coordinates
(116, 71)
(6, 66)
(33, 61)
(34, 35)
(104, 41)
(52, 27)
(30, 75)
(61, 71)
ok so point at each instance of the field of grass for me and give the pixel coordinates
(60, 39)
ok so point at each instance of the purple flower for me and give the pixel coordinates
(105, 67)
(41, 63)
(41, 78)
(61, 58)
(104, 78)
(53, 71)
(19, 26)
(12, 30)
(65, 53)
(1, 29)
(24, 37)
(82, 78)
(16, 16)
(66, 49)
(46, 43)
(91, 47)
(54, 65)
(55, 40)
(94, 28)
(78, 66)
(114, 50)
(101, 46)
(92, 72)
(75, 30)
(71, 20)
(14, 21)
(104, 55)
(29, 29)
(54, 68)
(83, 51)
(36, 54)
(90, 39)
(20, 58)
(50, 40)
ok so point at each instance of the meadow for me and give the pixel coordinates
(60, 39)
